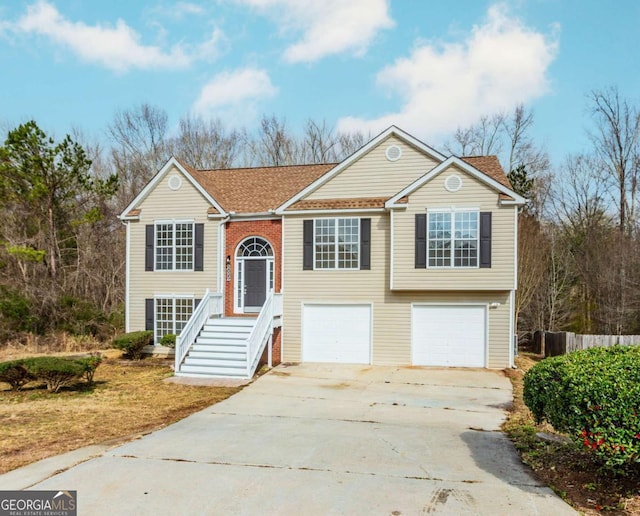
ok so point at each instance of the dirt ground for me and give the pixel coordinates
(127, 399)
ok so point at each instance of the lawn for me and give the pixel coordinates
(127, 399)
(567, 468)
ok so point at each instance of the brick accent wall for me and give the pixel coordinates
(236, 232)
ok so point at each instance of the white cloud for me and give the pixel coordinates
(328, 26)
(501, 63)
(234, 95)
(182, 8)
(117, 47)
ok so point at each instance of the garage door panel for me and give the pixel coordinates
(336, 333)
(449, 335)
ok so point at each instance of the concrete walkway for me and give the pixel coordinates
(319, 439)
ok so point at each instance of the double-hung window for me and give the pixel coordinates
(171, 315)
(174, 246)
(337, 243)
(453, 238)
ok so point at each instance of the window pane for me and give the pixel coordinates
(348, 240)
(183, 310)
(164, 247)
(164, 318)
(439, 239)
(172, 315)
(184, 246)
(466, 239)
(325, 247)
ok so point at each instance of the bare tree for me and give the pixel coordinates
(480, 139)
(319, 143)
(205, 145)
(616, 140)
(139, 147)
(274, 146)
(522, 150)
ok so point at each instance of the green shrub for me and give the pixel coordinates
(56, 372)
(15, 374)
(90, 364)
(594, 396)
(168, 340)
(133, 343)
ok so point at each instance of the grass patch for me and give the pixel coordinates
(567, 468)
(125, 400)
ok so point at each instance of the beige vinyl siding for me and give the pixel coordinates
(473, 194)
(166, 204)
(391, 311)
(375, 176)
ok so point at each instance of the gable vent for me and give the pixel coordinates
(453, 183)
(393, 153)
(175, 182)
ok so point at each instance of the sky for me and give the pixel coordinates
(427, 67)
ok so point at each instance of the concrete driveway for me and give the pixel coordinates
(320, 439)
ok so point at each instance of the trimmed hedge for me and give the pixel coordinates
(15, 374)
(133, 343)
(594, 396)
(56, 372)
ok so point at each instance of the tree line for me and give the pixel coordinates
(62, 260)
(579, 265)
(62, 246)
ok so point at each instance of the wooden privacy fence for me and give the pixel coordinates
(551, 344)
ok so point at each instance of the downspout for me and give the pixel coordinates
(127, 276)
(221, 278)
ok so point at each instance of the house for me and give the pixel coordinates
(398, 255)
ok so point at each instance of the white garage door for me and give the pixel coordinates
(452, 336)
(336, 333)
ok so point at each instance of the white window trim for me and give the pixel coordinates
(453, 210)
(173, 222)
(336, 257)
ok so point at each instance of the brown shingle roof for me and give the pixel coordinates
(337, 204)
(134, 213)
(490, 166)
(257, 190)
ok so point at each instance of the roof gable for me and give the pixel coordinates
(132, 211)
(382, 137)
(493, 177)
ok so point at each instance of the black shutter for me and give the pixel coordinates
(365, 244)
(149, 314)
(307, 245)
(148, 255)
(196, 302)
(198, 255)
(485, 239)
(421, 241)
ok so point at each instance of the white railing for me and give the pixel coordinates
(210, 305)
(262, 332)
